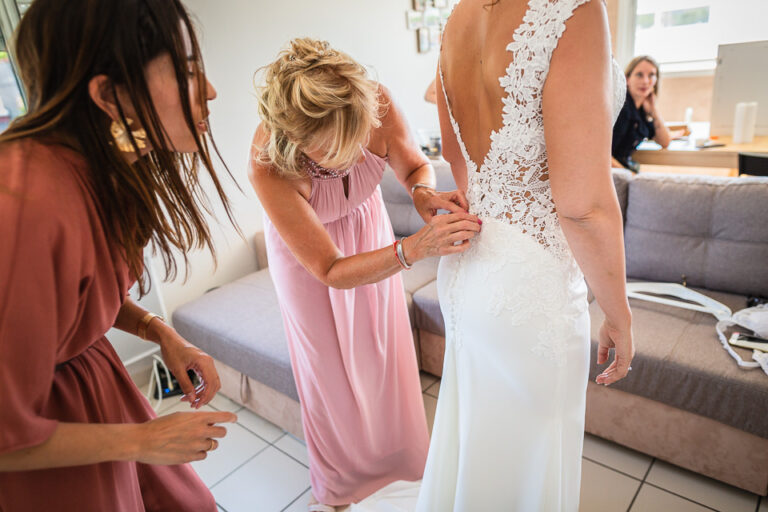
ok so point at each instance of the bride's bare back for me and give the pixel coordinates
(475, 41)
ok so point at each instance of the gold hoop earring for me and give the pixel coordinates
(120, 135)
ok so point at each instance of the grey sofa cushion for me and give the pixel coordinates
(240, 325)
(712, 230)
(405, 219)
(680, 362)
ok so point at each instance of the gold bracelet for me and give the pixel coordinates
(141, 331)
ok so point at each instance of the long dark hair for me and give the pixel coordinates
(59, 46)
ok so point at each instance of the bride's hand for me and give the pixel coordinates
(620, 339)
(438, 237)
(427, 202)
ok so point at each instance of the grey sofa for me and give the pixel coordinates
(685, 402)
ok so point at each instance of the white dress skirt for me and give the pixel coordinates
(509, 425)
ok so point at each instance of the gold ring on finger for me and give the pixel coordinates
(212, 445)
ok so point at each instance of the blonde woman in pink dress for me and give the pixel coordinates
(327, 134)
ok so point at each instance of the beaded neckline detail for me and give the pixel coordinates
(319, 172)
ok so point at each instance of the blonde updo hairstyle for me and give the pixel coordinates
(315, 98)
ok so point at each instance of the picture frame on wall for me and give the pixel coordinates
(420, 5)
(422, 39)
(432, 18)
(435, 37)
(444, 15)
(414, 19)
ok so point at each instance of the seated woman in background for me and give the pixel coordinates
(327, 134)
(640, 118)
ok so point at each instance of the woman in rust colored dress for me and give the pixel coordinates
(105, 161)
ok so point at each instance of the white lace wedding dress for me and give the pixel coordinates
(509, 426)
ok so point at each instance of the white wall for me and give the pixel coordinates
(238, 37)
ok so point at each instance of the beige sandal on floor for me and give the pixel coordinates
(319, 507)
(315, 506)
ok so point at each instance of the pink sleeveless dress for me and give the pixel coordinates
(352, 350)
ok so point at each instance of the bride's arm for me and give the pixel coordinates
(577, 127)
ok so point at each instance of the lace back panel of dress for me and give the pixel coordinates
(512, 184)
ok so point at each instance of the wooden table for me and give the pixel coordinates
(684, 153)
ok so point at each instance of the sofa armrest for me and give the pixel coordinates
(260, 248)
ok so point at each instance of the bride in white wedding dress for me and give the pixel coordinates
(509, 426)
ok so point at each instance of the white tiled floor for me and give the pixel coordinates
(427, 380)
(293, 447)
(259, 467)
(259, 426)
(238, 447)
(430, 407)
(269, 482)
(627, 461)
(701, 489)
(434, 389)
(653, 499)
(222, 403)
(605, 490)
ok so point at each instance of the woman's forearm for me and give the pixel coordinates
(368, 267)
(424, 174)
(662, 137)
(597, 243)
(442, 235)
(77, 444)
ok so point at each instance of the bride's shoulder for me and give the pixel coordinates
(564, 10)
(585, 16)
(589, 9)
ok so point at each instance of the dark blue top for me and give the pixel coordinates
(632, 127)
